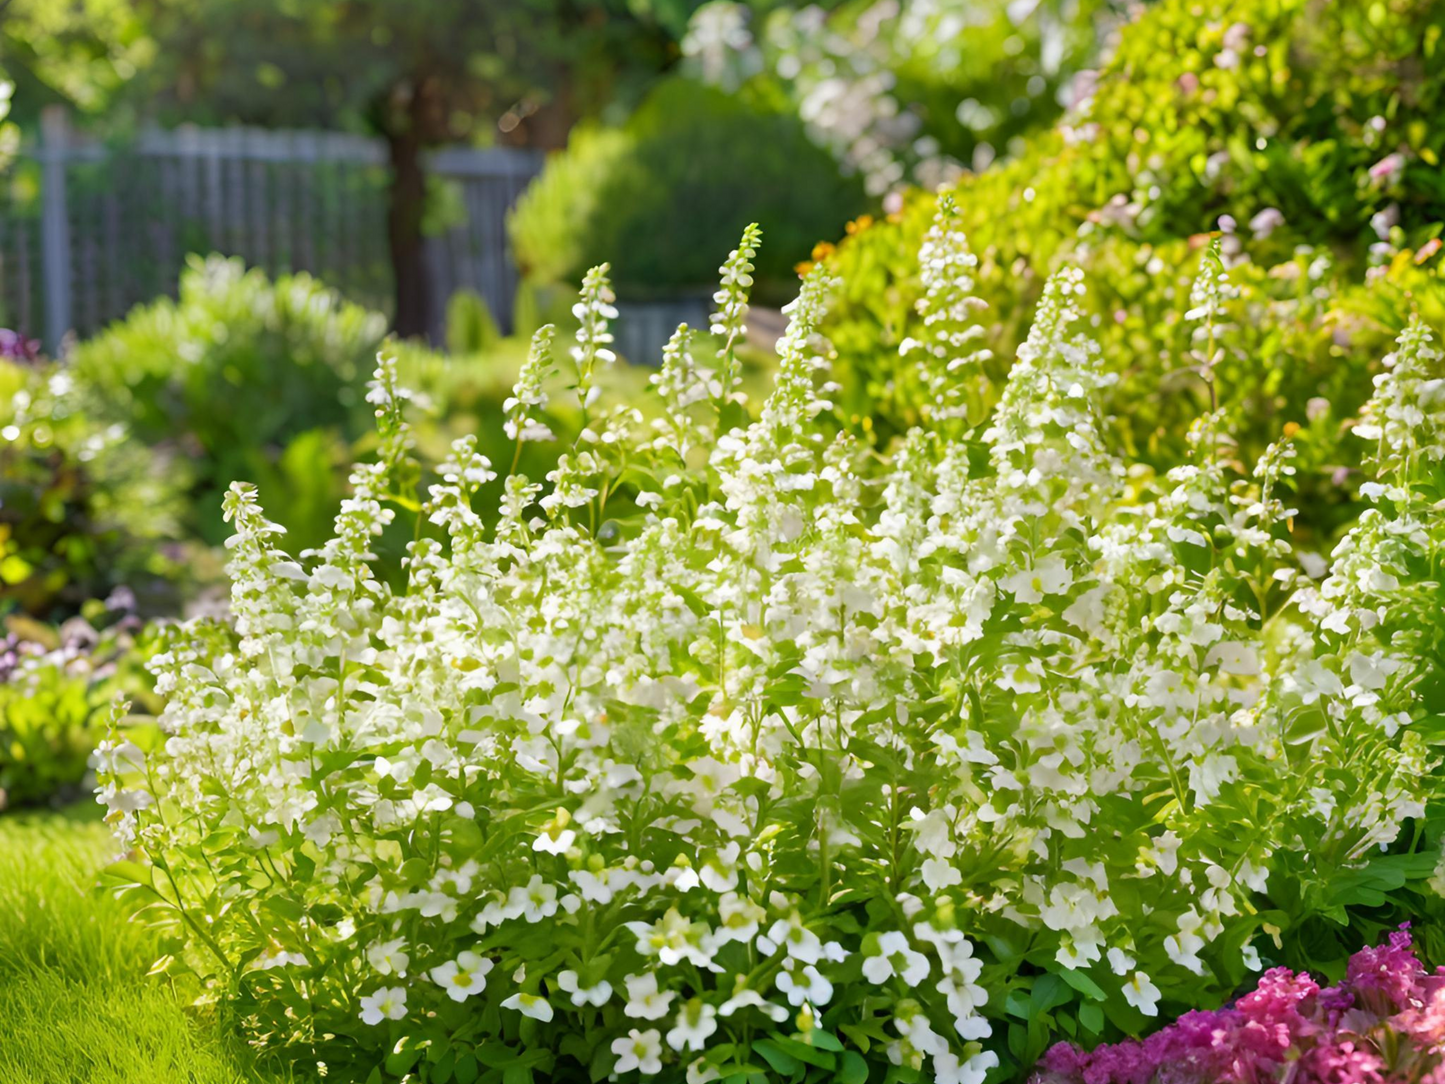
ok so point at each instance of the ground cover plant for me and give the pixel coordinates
(739, 749)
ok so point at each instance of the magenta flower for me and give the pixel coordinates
(1384, 1024)
(1387, 167)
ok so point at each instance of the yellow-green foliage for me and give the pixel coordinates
(1233, 107)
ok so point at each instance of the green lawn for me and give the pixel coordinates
(76, 1006)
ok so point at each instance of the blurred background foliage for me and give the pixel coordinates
(663, 195)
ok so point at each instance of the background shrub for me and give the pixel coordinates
(242, 377)
(84, 507)
(56, 689)
(661, 195)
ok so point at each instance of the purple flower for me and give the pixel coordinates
(17, 347)
(1384, 1024)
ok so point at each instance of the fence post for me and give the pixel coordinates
(55, 226)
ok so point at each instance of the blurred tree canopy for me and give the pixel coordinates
(417, 73)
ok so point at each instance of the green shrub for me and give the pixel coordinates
(234, 371)
(471, 328)
(1276, 114)
(84, 507)
(676, 184)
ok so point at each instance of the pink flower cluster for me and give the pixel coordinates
(1384, 1024)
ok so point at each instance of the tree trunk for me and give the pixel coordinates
(405, 203)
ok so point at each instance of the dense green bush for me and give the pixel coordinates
(242, 377)
(1317, 127)
(84, 508)
(676, 184)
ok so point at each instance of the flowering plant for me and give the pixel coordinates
(738, 750)
(1384, 1021)
(55, 685)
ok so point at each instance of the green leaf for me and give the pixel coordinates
(824, 1040)
(1049, 992)
(1082, 983)
(802, 1051)
(854, 1069)
(399, 1062)
(775, 1056)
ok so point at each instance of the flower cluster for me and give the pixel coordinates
(765, 751)
(1384, 1022)
(902, 91)
(949, 310)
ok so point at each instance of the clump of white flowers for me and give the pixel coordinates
(947, 343)
(805, 761)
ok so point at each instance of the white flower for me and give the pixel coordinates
(673, 938)
(389, 957)
(696, 1021)
(387, 1003)
(641, 1050)
(804, 984)
(597, 995)
(556, 837)
(599, 886)
(1233, 657)
(1142, 994)
(1051, 576)
(801, 943)
(538, 1008)
(720, 872)
(740, 917)
(894, 956)
(1371, 672)
(1183, 947)
(948, 1068)
(462, 977)
(744, 998)
(644, 1001)
(537, 901)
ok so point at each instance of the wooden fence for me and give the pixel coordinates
(89, 229)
